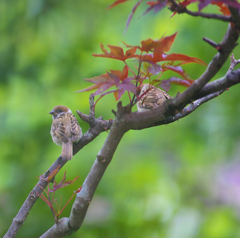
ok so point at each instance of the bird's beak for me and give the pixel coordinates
(52, 112)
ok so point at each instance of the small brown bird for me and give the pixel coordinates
(65, 130)
(152, 97)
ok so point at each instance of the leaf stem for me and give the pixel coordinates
(137, 77)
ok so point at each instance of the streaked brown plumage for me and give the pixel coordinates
(65, 130)
(151, 99)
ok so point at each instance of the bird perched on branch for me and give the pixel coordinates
(65, 130)
(150, 97)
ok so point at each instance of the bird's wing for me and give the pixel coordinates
(153, 98)
(59, 129)
(74, 126)
(75, 129)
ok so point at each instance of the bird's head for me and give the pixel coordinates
(57, 111)
(142, 88)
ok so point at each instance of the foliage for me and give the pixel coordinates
(158, 5)
(56, 186)
(151, 53)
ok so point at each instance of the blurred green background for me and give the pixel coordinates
(176, 181)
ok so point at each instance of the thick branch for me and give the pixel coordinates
(236, 17)
(58, 230)
(225, 82)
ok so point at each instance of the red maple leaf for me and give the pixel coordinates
(166, 84)
(222, 8)
(232, 3)
(158, 57)
(132, 13)
(161, 45)
(187, 2)
(152, 53)
(117, 2)
(116, 78)
(101, 83)
(62, 183)
(116, 52)
(51, 175)
(156, 6)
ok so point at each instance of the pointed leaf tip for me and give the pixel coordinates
(117, 2)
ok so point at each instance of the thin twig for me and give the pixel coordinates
(137, 77)
(233, 63)
(208, 15)
(211, 42)
(192, 107)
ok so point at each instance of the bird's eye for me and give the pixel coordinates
(60, 110)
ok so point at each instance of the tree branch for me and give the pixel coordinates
(207, 15)
(233, 64)
(211, 42)
(181, 9)
(189, 109)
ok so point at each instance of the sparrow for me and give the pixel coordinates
(65, 130)
(150, 97)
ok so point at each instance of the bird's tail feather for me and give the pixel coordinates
(67, 150)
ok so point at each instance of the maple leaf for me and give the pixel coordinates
(176, 69)
(203, 3)
(116, 78)
(166, 84)
(222, 8)
(116, 52)
(102, 83)
(184, 58)
(232, 3)
(46, 200)
(132, 13)
(62, 183)
(125, 85)
(187, 2)
(154, 69)
(50, 199)
(156, 6)
(116, 3)
(51, 175)
(158, 57)
(155, 53)
(161, 45)
(121, 74)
